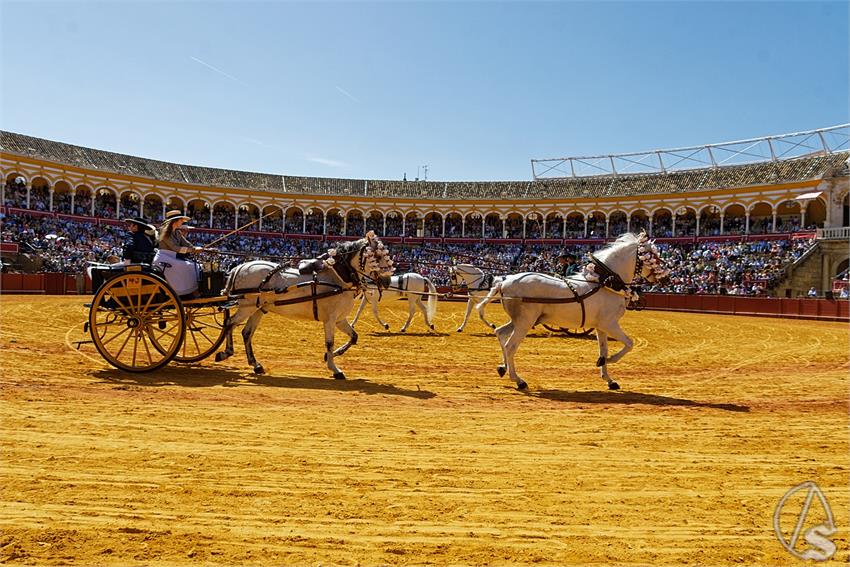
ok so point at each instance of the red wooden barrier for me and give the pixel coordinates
(802, 308)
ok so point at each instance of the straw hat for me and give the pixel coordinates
(174, 215)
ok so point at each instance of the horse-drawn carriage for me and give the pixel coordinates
(138, 323)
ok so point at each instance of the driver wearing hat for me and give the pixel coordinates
(171, 236)
(174, 252)
(139, 248)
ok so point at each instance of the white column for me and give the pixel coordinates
(649, 222)
(628, 223)
(384, 225)
(28, 196)
(802, 218)
(747, 224)
(93, 200)
(524, 224)
(118, 206)
(444, 227)
(50, 192)
(673, 219)
(722, 218)
(236, 218)
(463, 226)
(163, 209)
(211, 216)
(773, 227)
(585, 227)
(404, 224)
(544, 228)
(482, 226)
(304, 223)
(73, 196)
(697, 218)
(607, 226)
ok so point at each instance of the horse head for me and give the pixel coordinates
(363, 259)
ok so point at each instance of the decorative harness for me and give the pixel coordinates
(608, 278)
(343, 271)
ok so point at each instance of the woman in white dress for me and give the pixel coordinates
(174, 254)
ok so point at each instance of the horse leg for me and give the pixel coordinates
(411, 311)
(521, 328)
(247, 336)
(330, 325)
(481, 307)
(468, 311)
(343, 326)
(602, 361)
(240, 316)
(373, 299)
(502, 333)
(421, 305)
(359, 309)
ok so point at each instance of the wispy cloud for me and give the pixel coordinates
(253, 140)
(348, 94)
(216, 69)
(328, 162)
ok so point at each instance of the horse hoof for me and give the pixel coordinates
(492, 326)
(432, 327)
(339, 376)
(259, 369)
(219, 356)
(459, 330)
(600, 361)
(326, 357)
(613, 386)
(522, 386)
(501, 369)
(386, 326)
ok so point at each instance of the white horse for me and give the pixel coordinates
(321, 290)
(412, 286)
(478, 285)
(597, 298)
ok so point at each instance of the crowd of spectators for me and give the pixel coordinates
(738, 268)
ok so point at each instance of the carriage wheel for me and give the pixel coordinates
(204, 332)
(136, 322)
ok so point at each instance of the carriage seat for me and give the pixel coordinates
(100, 274)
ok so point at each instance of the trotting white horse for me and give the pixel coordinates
(413, 286)
(478, 285)
(321, 290)
(597, 298)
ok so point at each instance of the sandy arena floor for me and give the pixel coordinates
(424, 455)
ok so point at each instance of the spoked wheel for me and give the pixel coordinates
(205, 329)
(570, 332)
(136, 322)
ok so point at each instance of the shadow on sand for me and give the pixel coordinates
(407, 334)
(204, 377)
(629, 398)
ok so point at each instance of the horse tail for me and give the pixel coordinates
(432, 300)
(495, 293)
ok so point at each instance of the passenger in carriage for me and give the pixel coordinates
(140, 247)
(567, 265)
(174, 254)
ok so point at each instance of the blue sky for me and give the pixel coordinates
(374, 90)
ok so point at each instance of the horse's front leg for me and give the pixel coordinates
(359, 309)
(373, 299)
(232, 322)
(468, 311)
(602, 361)
(411, 311)
(330, 326)
(616, 332)
(343, 326)
(481, 307)
(248, 336)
